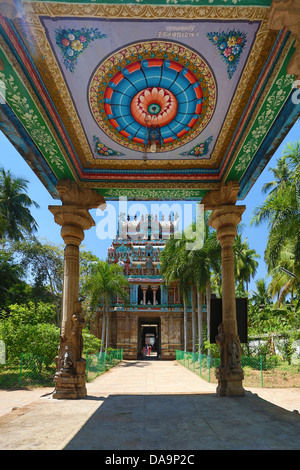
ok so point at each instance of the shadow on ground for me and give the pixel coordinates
(138, 363)
(187, 422)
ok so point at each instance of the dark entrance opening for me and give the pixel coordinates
(149, 296)
(140, 295)
(158, 296)
(149, 338)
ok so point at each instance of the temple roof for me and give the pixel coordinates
(151, 100)
(147, 227)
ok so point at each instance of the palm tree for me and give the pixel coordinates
(206, 269)
(212, 249)
(261, 297)
(266, 316)
(282, 282)
(281, 208)
(103, 284)
(184, 277)
(175, 267)
(245, 263)
(292, 153)
(205, 262)
(281, 177)
(15, 217)
(193, 269)
(11, 278)
(284, 227)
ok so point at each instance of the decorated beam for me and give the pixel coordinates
(149, 100)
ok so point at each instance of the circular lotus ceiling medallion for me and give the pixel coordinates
(154, 88)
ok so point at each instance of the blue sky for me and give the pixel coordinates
(257, 236)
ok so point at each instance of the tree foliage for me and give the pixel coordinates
(281, 210)
(102, 283)
(245, 264)
(13, 288)
(200, 269)
(30, 329)
(16, 220)
(43, 265)
(276, 307)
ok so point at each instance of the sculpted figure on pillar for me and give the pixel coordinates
(230, 349)
(67, 362)
(234, 353)
(220, 340)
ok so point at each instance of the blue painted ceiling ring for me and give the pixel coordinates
(153, 92)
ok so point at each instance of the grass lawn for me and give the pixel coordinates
(10, 377)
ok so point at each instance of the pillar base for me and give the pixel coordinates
(71, 384)
(230, 382)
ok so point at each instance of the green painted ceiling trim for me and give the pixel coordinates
(152, 194)
(263, 122)
(23, 106)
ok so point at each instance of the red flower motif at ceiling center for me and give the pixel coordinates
(153, 107)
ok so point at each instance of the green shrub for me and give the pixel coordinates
(31, 330)
(91, 344)
(27, 330)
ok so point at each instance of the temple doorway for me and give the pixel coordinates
(149, 338)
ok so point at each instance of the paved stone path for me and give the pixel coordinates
(152, 405)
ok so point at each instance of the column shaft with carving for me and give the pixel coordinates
(225, 217)
(74, 217)
(230, 374)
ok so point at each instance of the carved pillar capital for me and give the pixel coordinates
(286, 13)
(225, 195)
(73, 215)
(71, 195)
(74, 221)
(225, 220)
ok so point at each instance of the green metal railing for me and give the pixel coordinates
(255, 368)
(34, 370)
(198, 363)
(96, 364)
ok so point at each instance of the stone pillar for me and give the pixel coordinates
(224, 218)
(74, 217)
(154, 290)
(144, 289)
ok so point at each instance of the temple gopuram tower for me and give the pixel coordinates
(153, 313)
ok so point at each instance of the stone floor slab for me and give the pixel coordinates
(151, 405)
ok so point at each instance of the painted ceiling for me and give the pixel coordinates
(150, 100)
